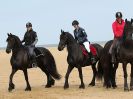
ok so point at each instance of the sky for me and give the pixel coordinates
(50, 16)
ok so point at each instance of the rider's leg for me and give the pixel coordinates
(113, 50)
(118, 43)
(87, 46)
(32, 55)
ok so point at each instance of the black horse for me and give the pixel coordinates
(20, 61)
(76, 58)
(106, 69)
(124, 55)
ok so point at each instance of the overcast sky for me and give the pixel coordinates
(50, 16)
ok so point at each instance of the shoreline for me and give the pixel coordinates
(102, 43)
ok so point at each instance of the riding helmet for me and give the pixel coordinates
(118, 15)
(28, 24)
(75, 22)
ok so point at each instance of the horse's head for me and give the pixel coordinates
(63, 40)
(128, 29)
(12, 42)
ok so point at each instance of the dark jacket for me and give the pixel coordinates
(80, 35)
(30, 38)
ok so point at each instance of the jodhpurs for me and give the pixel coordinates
(87, 46)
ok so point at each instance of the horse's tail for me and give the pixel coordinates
(48, 62)
(51, 67)
(99, 71)
(99, 50)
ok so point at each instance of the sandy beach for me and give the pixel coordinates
(37, 81)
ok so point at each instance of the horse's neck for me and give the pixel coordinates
(72, 48)
(127, 34)
(16, 49)
(126, 46)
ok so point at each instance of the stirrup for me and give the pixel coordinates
(34, 65)
(93, 60)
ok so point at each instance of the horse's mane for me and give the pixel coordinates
(17, 40)
(70, 36)
(127, 25)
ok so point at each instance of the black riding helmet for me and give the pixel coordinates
(28, 24)
(75, 22)
(118, 15)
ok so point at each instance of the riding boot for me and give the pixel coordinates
(113, 58)
(33, 62)
(93, 58)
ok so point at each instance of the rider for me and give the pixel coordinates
(30, 39)
(81, 37)
(118, 27)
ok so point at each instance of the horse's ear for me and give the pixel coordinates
(131, 20)
(11, 34)
(8, 34)
(125, 20)
(62, 31)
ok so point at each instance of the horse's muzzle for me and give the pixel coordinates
(60, 48)
(8, 51)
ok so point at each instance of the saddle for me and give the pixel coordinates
(92, 50)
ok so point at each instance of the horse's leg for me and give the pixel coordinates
(70, 68)
(94, 75)
(131, 81)
(106, 75)
(81, 78)
(114, 75)
(50, 80)
(28, 88)
(125, 77)
(11, 85)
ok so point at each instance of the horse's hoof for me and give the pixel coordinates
(66, 86)
(11, 87)
(82, 86)
(92, 84)
(28, 89)
(114, 86)
(108, 87)
(131, 88)
(52, 82)
(126, 89)
(47, 86)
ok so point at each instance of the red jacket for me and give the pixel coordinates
(118, 29)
